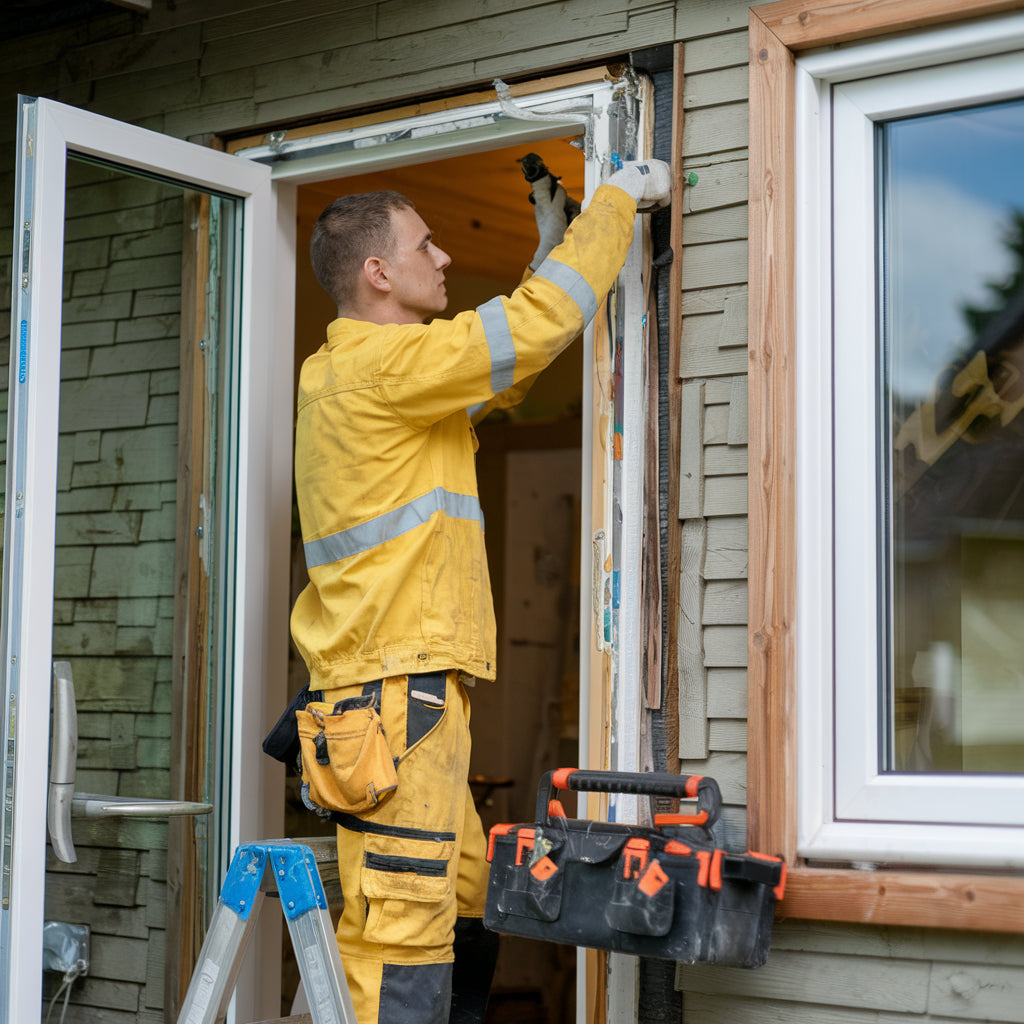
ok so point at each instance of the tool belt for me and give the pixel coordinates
(667, 892)
(340, 751)
(346, 763)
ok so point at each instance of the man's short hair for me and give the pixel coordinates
(346, 234)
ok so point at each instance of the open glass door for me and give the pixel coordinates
(139, 404)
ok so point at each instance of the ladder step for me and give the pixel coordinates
(256, 867)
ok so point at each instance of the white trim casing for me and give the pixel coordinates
(847, 810)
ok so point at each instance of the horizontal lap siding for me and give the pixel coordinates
(861, 974)
(228, 65)
(713, 474)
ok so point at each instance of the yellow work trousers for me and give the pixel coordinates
(416, 863)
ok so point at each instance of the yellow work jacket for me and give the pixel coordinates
(385, 468)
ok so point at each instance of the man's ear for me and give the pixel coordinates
(375, 270)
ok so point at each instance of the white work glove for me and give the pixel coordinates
(649, 182)
(549, 213)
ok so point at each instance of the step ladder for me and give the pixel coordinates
(257, 868)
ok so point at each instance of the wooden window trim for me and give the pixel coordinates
(984, 902)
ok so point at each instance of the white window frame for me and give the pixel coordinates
(848, 810)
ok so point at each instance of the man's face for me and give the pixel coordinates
(416, 268)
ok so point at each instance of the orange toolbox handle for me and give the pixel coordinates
(701, 788)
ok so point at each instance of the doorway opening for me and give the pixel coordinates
(529, 473)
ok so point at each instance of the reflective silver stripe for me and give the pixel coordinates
(499, 344)
(573, 283)
(357, 539)
(474, 409)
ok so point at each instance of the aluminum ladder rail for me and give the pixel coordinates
(256, 867)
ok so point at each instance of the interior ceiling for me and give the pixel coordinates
(476, 206)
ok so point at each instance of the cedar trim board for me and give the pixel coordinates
(771, 793)
(983, 902)
(799, 25)
(989, 903)
(530, 88)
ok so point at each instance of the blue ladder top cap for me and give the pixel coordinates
(295, 875)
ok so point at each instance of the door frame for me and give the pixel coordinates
(256, 652)
(615, 411)
(376, 142)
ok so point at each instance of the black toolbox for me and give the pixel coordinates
(667, 891)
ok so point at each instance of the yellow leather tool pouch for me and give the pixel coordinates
(346, 763)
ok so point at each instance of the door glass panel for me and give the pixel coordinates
(953, 391)
(130, 411)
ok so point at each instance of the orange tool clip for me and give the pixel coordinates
(634, 856)
(653, 880)
(496, 830)
(555, 809)
(524, 841)
(780, 889)
(715, 879)
(543, 869)
(704, 856)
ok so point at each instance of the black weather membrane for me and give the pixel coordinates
(659, 1002)
(657, 63)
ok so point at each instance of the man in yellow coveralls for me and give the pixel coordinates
(399, 605)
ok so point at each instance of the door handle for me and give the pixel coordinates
(63, 803)
(90, 805)
(63, 754)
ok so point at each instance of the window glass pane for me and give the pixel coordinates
(952, 397)
(137, 610)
